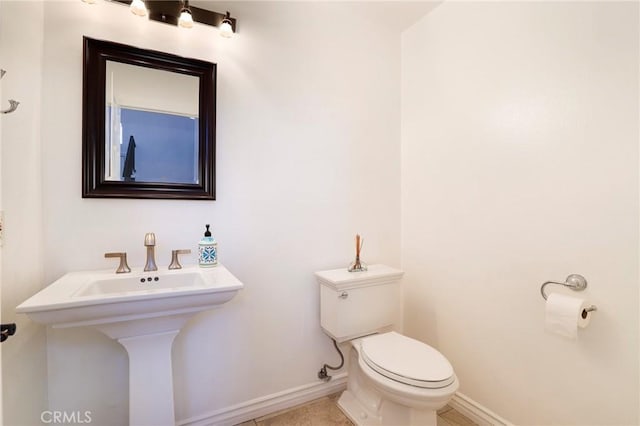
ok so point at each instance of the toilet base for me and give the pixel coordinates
(366, 405)
(387, 414)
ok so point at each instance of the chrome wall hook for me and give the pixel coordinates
(13, 105)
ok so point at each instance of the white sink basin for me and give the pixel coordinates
(100, 297)
(143, 311)
(141, 283)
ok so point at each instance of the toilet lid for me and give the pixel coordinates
(407, 360)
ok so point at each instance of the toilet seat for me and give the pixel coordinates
(406, 360)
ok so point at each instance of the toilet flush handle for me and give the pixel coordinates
(343, 295)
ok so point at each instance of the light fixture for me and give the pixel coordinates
(179, 12)
(89, 1)
(186, 19)
(138, 7)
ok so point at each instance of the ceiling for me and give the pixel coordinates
(398, 14)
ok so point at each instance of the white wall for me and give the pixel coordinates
(308, 154)
(520, 165)
(23, 355)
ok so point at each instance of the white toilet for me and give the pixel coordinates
(393, 380)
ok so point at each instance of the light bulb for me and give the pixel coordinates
(138, 8)
(225, 29)
(186, 20)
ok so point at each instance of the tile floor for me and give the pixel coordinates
(325, 412)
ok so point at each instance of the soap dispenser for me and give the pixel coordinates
(207, 250)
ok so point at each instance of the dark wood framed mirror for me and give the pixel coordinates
(148, 125)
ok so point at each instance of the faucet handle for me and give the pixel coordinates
(175, 262)
(149, 239)
(123, 267)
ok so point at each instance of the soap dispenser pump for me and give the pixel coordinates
(207, 250)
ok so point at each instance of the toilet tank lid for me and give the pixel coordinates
(375, 274)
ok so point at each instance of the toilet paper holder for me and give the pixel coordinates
(575, 282)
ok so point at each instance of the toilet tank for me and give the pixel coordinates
(354, 304)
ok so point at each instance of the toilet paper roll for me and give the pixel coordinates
(564, 315)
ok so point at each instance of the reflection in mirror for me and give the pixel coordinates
(151, 135)
(148, 124)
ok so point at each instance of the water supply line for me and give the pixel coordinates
(322, 374)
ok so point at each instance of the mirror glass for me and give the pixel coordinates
(148, 124)
(151, 135)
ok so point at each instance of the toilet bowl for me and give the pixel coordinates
(393, 380)
(396, 380)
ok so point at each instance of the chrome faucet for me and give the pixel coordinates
(150, 244)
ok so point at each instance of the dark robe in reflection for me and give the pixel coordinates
(129, 169)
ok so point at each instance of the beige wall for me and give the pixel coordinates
(520, 165)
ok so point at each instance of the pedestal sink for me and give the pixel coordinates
(143, 311)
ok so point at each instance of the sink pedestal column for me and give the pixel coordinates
(148, 343)
(150, 379)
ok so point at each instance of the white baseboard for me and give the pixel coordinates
(476, 412)
(262, 406)
(268, 404)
